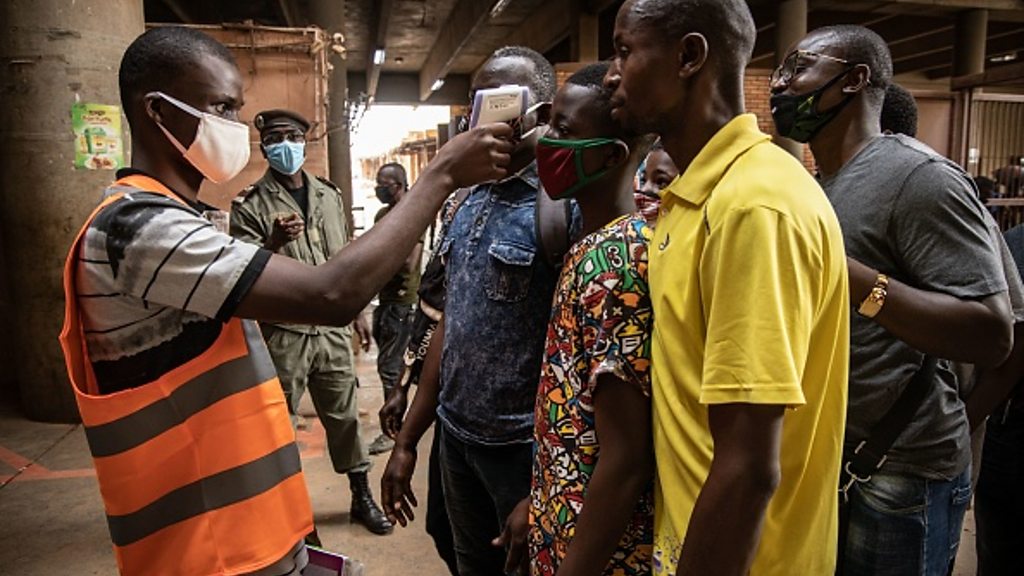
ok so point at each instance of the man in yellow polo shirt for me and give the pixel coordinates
(751, 307)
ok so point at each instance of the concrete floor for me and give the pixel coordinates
(51, 516)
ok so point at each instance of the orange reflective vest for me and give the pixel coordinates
(198, 469)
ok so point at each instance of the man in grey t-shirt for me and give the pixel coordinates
(925, 278)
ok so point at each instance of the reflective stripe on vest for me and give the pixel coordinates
(198, 469)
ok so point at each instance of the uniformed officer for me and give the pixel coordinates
(296, 214)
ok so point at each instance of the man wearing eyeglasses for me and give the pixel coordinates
(926, 281)
(295, 214)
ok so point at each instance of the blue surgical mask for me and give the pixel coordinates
(286, 157)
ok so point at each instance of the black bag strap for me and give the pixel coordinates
(870, 454)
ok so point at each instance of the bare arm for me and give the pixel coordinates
(725, 527)
(976, 331)
(993, 385)
(397, 497)
(335, 292)
(413, 261)
(624, 470)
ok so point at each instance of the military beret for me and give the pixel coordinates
(278, 117)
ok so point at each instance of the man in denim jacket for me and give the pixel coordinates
(499, 289)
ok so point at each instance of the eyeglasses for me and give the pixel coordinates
(278, 137)
(797, 61)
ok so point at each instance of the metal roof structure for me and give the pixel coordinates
(398, 50)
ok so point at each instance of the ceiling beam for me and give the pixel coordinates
(291, 14)
(463, 21)
(965, 4)
(403, 88)
(545, 27)
(997, 44)
(380, 16)
(180, 11)
(910, 5)
(1007, 73)
(764, 46)
(927, 42)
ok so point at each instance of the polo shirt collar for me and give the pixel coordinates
(714, 159)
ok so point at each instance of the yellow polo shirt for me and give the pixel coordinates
(748, 282)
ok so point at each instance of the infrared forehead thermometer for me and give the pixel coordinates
(502, 104)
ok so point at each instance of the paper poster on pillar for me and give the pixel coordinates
(98, 142)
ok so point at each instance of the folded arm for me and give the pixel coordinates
(976, 331)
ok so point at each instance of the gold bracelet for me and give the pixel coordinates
(872, 305)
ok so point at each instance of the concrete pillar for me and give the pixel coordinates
(969, 49)
(330, 15)
(790, 28)
(584, 33)
(53, 53)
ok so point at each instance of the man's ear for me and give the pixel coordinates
(618, 153)
(152, 104)
(693, 53)
(544, 113)
(857, 79)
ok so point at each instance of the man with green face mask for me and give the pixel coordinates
(293, 213)
(926, 281)
(592, 500)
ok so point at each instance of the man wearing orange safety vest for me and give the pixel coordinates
(183, 412)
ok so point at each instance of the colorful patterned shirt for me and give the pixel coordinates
(601, 323)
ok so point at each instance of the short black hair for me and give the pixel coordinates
(899, 111)
(727, 25)
(543, 83)
(860, 45)
(159, 56)
(590, 76)
(397, 168)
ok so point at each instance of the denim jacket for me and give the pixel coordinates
(499, 291)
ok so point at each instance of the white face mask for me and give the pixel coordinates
(220, 149)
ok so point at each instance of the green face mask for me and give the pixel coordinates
(560, 165)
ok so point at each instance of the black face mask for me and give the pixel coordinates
(385, 194)
(797, 117)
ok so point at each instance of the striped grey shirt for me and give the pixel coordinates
(155, 282)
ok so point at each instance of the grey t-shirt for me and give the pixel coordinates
(913, 215)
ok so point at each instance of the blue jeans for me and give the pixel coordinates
(999, 501)
(482, 484)
(905, 526)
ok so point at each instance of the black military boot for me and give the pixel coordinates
(364, 509)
